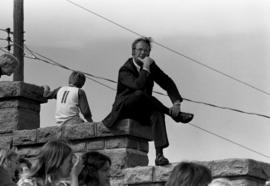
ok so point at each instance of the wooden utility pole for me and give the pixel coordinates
(18, 18)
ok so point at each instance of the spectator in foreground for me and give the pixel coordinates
(8, 166)
(96, 171)
(54, 167)
(189, 174)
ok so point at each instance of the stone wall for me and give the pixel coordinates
(241, 172)
(125, 148)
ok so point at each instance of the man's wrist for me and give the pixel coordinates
(146, 69)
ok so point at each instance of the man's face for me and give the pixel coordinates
(141, 50)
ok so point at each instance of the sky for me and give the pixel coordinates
(232, 36)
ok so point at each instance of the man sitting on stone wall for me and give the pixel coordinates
(70, 100)
(134, 96)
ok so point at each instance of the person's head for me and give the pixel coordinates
(77, 79)
(220, 182)
(189, 173)
(96, 171)
(9, 161)
(8, 64)
(24, 166)
(141, 47)
(54, 161)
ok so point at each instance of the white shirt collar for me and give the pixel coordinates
(136, 65)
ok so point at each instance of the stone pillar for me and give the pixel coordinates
(19, 106)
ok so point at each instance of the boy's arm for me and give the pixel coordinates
(50, 94)
(84, 106)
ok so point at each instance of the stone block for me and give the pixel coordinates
(95, 144)
(127, 142)
(143, 145)
(48, 133)
(233, 167)
(24, 137)
(15, 119)
(78, 146)
(103, 131)
(121, 142)
(21, 104)
(123, 158)
(29, 151)
(8, 119)
(15, 89)
(138, 175)
(6, 141)
(246, 182)
(116, 182)
(28, 119)
(78, 131)
(162, 173)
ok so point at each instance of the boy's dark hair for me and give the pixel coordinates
(77, 79)
(93, 161)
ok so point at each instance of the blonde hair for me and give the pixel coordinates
(50, 159)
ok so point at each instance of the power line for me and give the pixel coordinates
(5, 30)
(53, 62)
(8, 30)
(231, 141)
(193, 125)
(172, 50)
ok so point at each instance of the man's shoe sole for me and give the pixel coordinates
(184, 117)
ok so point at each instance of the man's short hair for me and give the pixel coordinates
(147, 40)
(77, 79)
(13, 61)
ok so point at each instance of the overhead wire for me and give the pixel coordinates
(193, 125)
(228, 140)
(5, 30)
(53, 62)
(172, 50)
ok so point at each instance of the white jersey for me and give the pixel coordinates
(67, 104)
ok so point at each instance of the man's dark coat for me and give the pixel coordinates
(130, 80)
